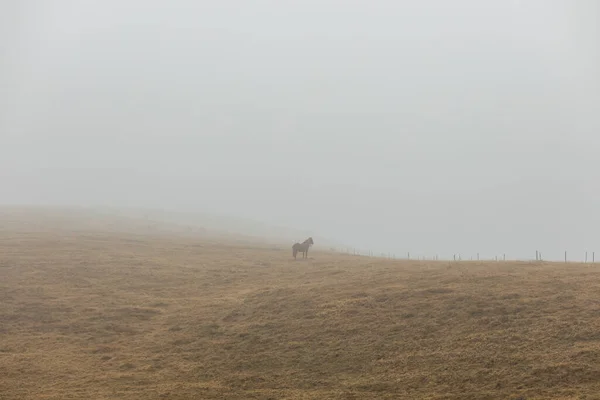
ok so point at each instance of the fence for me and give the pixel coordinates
(586, 257)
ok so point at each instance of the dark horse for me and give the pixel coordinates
(302, 247)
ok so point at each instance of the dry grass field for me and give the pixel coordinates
(125, 316)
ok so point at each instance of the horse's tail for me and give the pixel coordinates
(295, 249)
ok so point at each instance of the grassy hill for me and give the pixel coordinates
(150, 222)
(117, 315)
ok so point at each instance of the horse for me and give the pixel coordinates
(302, 247)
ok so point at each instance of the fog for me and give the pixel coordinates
(435, 127)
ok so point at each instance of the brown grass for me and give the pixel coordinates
(108, 316)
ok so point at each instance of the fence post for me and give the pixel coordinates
(565, 256)
(593, 257)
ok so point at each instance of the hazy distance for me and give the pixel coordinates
(434, 127)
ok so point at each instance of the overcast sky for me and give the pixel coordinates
(424, 126)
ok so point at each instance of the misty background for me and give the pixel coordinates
(434, 127)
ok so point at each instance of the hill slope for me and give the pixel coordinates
(106, 315)
(149, 222)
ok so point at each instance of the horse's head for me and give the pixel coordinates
(310, 241)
